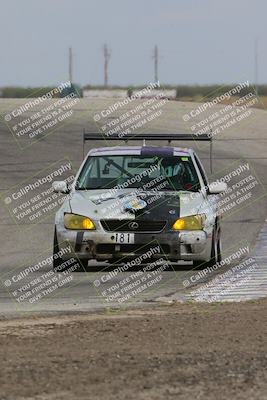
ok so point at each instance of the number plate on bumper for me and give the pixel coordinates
(124, 238)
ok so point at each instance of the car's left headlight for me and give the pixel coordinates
(190, 223)
(78, 222)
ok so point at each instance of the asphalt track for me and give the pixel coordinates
(22, 244)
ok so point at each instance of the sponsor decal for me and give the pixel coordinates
(135, 205)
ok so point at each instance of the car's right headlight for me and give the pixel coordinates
(78, 222)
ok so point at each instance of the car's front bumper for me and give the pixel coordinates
(100, 245)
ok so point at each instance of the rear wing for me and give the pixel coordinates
(186, 137)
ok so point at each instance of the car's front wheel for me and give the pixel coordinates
(58, 261)
(216, 250)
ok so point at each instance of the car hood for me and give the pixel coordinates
(154, 205)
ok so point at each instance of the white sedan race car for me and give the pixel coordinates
(126, 200)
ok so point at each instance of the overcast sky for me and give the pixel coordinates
(200, 41)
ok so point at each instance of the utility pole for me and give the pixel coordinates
(156, 63)
(256, 65)
(107, 55)
(70, 64)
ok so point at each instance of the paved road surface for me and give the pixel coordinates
(23, 244)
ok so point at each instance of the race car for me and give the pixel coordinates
(127, 199)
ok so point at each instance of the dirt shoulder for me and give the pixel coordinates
(183, 351)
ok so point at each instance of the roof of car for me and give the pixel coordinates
(138, 150)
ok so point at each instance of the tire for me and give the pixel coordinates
(219, 246)
(197, 264)
(83, 265)
(216, 250)
(56, 261)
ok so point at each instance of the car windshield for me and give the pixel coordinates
(137, 171)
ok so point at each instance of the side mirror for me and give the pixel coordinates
(60, 187)
(217, 187)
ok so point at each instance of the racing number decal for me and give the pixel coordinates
(124, 237)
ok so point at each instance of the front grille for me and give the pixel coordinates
(129, 225)
(109, 248)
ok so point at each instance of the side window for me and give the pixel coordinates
(202, 173)
(93, 169)
(89, 169)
